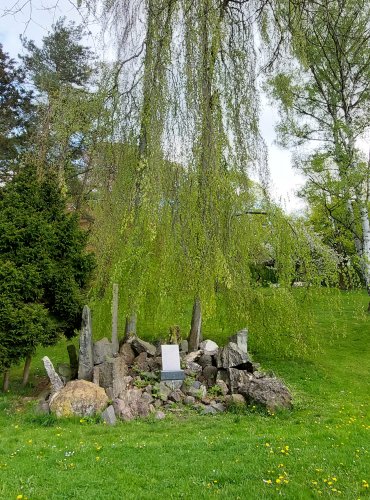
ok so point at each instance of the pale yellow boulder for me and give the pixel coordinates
(79, 397)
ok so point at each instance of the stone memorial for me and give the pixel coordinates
(86, 356)
(171, 369)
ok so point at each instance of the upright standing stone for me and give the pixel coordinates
(86, 359)
(241, 340)
(73, 361)
(130, 327)
(55, 380)
(196, 325)
(115, 343)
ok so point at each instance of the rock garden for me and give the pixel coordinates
(123, 381)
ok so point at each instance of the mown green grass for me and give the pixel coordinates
(324, 439)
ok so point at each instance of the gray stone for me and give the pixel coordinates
(106, 374)
(121, 379)
(184, 346)
(223, 387)
(205, 360)
(173, 384)
(160, 415)
(196, 384)
(146, 397)
(96, 375)
(109, 393)
(238, 378)
(103, 350)
(131, 405)
(130, 326)
(55, 380)
(219, 407)
(42, 408)
(209, 410)
(268, 391)
(141, 362)
(234, 399)
(127, 353)
(176, 396)
(230, 356)
(197, 393)
(189, 400)
(209, 375)
(108, 416)
(193, 356)
(162, 390)
(139, 346)
(222, 375)
(65, 372)
(192, 368)
(209, 347)
(114, 373)
(157, 403)
(241, 340)
(155, 364)
(86, 360)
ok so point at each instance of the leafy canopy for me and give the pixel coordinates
(43, 266)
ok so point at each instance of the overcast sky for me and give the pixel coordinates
(34, 21)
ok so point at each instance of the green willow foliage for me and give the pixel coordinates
(173, 219)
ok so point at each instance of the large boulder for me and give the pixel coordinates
(78, 397)
(267, 391)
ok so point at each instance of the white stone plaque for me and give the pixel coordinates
(170, 358)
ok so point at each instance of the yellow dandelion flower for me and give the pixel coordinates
(278, 481)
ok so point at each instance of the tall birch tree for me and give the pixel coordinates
(325, 101)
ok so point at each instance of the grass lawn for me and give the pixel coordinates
(319, 449)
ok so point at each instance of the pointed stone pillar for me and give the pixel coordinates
(86, 359)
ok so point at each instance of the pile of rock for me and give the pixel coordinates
(129, 380)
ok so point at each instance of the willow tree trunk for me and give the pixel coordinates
(115, 318)
(196, 326)
(26, 370)
(6, 380)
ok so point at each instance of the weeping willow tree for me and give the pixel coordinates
(175, 224)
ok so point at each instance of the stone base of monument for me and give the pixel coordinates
(173, 375)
